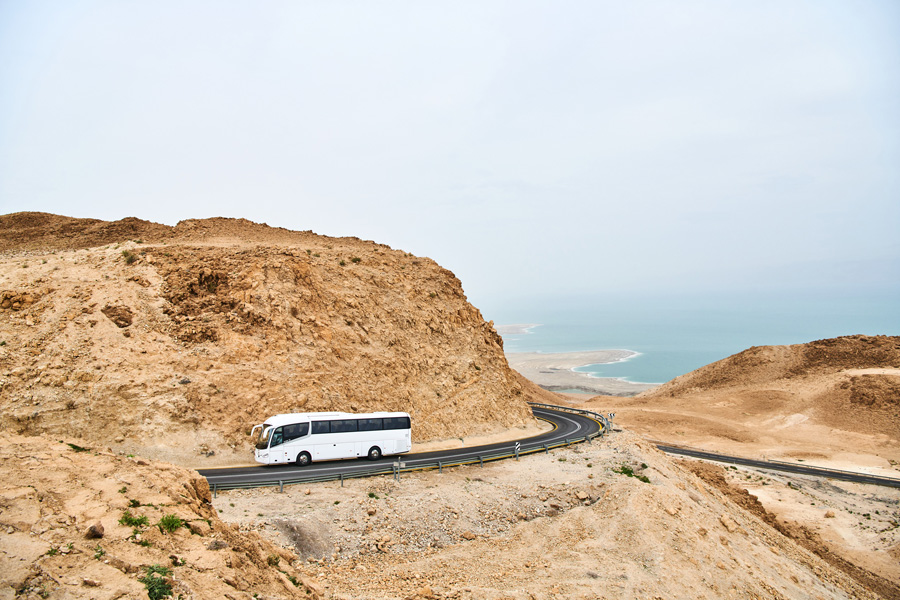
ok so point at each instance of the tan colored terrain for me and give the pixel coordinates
(570, 524)
(832, 402)
(172, 342)
(54, 493)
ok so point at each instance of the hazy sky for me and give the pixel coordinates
(576, 146)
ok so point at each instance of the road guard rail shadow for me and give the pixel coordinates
(515, 449)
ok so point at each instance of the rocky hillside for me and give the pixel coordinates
(173, 341)
(85, 523)
(849, 382)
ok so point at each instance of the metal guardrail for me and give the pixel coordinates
(397, 467)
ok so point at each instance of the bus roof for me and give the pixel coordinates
(286, 418)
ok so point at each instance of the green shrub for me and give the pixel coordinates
(129, 256)
(626, 470)
(155, 581)
(356, 259)
(77, 448)
(169, 523)
(130, 520)
(99, 552)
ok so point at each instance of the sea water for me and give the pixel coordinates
(676, 334)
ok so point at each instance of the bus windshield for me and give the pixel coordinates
(264, 436)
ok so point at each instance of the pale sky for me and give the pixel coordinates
(575, 146)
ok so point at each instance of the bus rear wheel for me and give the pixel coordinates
(303, 459)
(374, 453)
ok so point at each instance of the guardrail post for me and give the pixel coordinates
(440, 467)
(280, 487)
(481, 461)
(546, 449)
(587, 438)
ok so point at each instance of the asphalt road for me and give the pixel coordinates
(568, 427)
(784, 467)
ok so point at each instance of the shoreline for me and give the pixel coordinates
(556, 371)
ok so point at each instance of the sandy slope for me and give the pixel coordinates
(560, 525)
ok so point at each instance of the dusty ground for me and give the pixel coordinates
(560, 525)
(62, 535)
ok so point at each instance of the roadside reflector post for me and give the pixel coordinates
(481, 461)
(546, 449)
(440, 467)
(281, 487)
(518, 447)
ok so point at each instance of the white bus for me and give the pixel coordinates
(301, 438)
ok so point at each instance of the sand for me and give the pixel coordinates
(555, 371)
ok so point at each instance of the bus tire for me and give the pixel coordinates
(303, 459)
(374, 453)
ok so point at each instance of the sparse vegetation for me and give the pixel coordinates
(131, 520)
(129, 256)
(272, 560)
(156, 581)
(355, 259)
(77, 448)
(169, 523)
(99, 552)
(628, 471)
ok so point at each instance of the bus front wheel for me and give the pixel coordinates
(303, 459)
(374, 453)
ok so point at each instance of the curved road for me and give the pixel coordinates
(567, 427)
(780, 466)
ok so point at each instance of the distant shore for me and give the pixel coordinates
(516, 329)
(555, 371)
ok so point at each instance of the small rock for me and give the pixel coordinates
(217, 545)
(95, 531)
(200, 528)
(90, 582)
(468, 535)
(672, 511)
(829, 514)
(371, 511)
(581, 495)
(184, 381)
(728, 523)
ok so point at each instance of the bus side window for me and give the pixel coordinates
(302, 429)
(343, 426)
(321, 427)
(277, 438)
(370, 424)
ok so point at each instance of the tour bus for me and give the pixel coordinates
(301, 438)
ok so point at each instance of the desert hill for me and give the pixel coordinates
(849, 383)
(55, 492)
(172, 342)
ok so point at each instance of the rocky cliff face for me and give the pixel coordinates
(175, 341)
